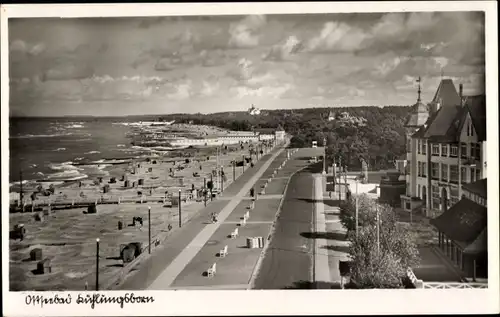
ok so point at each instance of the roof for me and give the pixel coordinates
(463, 222)
(265, 130)
(479, 245)
(446, 94)
(476, 106)
(479, 187)
(420, 133)
(444, 124)
(419, 115)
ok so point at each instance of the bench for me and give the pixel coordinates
(212, 270)
(223, 252)
(234, 234)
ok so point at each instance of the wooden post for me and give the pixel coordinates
(234, 171)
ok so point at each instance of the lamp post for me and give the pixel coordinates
(234, 171)
(378, 232)
(212, 186)
(205, 190)
(243, 163)
(97, 265)
(221, 179)
(357, 222)
(180, 210)
(149, 229)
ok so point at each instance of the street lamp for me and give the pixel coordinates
(149, 228)
(205, 190)
(357, 222)
(378, 231)
(180, 210)
(97, 265)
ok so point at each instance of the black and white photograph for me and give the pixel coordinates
(189, 149)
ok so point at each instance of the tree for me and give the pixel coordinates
(381, 265)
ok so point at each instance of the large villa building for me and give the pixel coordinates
(446, 148)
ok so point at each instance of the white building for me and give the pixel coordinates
(446, 150)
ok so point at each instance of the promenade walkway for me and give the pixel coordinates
(167, 276)
(151, 268)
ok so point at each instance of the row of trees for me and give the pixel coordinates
(378, 142)
(381, 251)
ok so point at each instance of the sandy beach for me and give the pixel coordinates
(67, 237)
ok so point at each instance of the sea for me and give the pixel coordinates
(48, 148)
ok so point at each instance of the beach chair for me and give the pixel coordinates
(234, 234)
(223, 252)
(212, 270)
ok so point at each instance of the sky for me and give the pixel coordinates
(160, 65)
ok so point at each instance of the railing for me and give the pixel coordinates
(445, 285)
(441, 285)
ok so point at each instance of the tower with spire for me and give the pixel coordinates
(417, 119)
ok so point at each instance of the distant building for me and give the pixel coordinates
(446, 150)
(462, 231)
(331, 116)
(254, 111)
(271, 133)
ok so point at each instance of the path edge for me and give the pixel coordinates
(256, 270)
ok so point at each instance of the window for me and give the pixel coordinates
(435, 170)
(472, 175)
(418, 190)
(468, 128)
(424, 147)
(436, 200)
(453, 151)
(408, 145)
(424, 169)
(444, 149)
(453, 195)
(463, 174)
(435, 149)
(477, 151)
(419, 172)
(478, 174)
(454, 174)
(444, 172)
(419, 143)
(463, 150)
(471, 129)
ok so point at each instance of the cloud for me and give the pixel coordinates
(243, 34)
(337, 37)
(68, 72)
(20, 46)
(284, 51)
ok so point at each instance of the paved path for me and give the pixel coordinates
(168, 276)
(337, 244)
(321, 267)
(287, 263)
